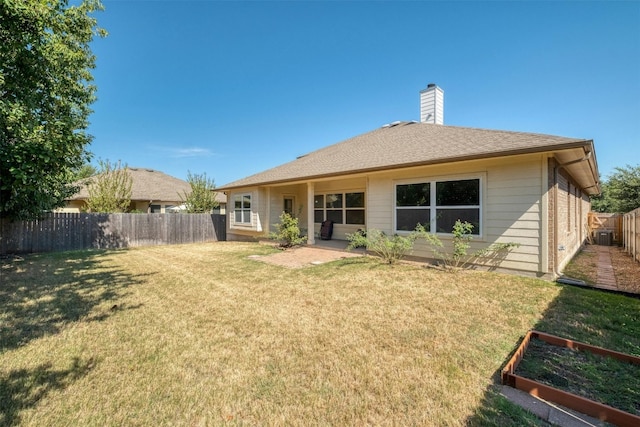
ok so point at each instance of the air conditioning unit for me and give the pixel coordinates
(605, 238)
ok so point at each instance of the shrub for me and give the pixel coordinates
(390, 249)
(394, 248)
(288, 234)
(462, 237)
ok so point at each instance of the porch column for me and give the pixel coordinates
(268, 213)
(310, 227)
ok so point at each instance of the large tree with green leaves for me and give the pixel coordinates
(202, 198)
(620, 192)
(45, 93)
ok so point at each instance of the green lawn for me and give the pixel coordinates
(203, 335)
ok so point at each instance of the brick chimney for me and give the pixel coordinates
(432, 105)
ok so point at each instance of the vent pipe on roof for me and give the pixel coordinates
(432, 105)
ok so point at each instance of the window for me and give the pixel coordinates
(354, 208)
(155, 208)
(413, 206)
(341, 208)
(333, 208)
(288, 205)
(318, 208)
(437, 205)
(242, 208)
(457, 200)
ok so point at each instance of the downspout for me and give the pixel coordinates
(556, 172)
(545, 212)
(556, 186)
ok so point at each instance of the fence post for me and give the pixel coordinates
(631, 233)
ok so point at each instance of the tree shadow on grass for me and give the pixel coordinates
(40, 294)
(586, 315)
(21, 389)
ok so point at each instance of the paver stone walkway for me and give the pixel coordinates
(605, 277)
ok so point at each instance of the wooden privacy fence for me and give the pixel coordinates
(605, 222)
(631, 233)
(73, 231)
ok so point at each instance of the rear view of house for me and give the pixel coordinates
(526, 188)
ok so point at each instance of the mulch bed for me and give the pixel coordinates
(627, 271)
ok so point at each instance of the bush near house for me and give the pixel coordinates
(393, 248)
(288, 232)
(390, 248)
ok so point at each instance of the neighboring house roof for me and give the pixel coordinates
(406, 144)
(149, 184)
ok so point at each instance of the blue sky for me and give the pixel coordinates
(233, 88)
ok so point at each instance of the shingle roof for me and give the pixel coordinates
(404, 144)
(149, 184)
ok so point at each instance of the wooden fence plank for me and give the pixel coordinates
(631, 233)
(75, 231)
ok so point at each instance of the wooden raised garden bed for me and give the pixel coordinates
(586, 406)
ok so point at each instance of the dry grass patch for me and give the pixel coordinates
(584, 266)
(203, 335)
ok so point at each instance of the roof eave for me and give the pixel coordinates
(583, 167)
(515, 152)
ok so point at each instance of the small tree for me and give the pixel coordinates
(110, 190)
(202, 198)
(288, 234)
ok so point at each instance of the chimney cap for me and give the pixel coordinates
(431, 85)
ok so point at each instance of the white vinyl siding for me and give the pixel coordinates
(514, 211)
(380, 199)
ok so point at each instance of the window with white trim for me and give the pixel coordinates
(341, 208)
(437, 205)
(242, 208)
